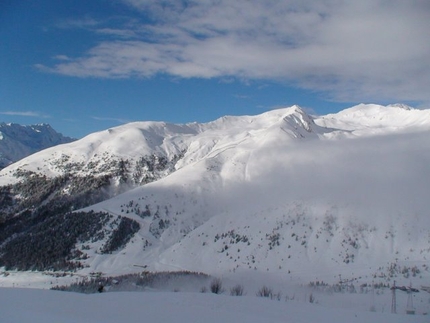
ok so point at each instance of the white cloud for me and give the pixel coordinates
(366, 50)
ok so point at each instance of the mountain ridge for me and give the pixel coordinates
(17, 141)
(144, 138)
(277, 193)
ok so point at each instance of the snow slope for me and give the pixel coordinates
(371, 119)
(37, 306)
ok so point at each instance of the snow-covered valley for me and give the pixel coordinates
(41, 306)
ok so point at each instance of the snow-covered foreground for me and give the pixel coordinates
(43, 306)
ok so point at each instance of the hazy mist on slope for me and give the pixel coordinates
(388, 172)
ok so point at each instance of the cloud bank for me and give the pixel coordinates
(350, 50)
(386, 173)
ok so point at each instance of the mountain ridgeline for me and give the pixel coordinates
(17, 141)
(276, 192)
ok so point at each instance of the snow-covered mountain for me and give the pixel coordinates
(17, 141)
(298, 196)
(99, 153)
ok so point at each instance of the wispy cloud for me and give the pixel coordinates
(115, 32)
(85, 22)
(24, 114)
(366, 50)
(62, 57)
(242, 96)
(119, 120)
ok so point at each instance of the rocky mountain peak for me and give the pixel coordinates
(18, 141)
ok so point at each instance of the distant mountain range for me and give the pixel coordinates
(299, 196)
(17, 141)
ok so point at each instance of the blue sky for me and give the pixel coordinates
(84, 66)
